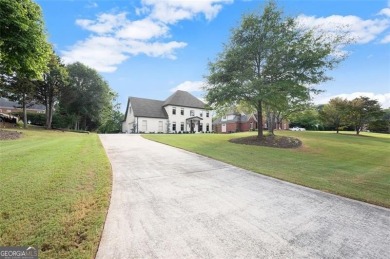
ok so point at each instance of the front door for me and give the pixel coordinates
(223, 128)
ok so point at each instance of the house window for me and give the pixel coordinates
(174, 110)
(144, 127)
(200, 126)
(201, 114)
(182, 111)
(224, 118)
(207, 114)
(182, 126)
(207, 127)
(173, 126)
(192, 113)
(160, 126)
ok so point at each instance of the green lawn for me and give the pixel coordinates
(54, 192)
(352, 166)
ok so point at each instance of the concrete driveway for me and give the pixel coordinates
(169, 203)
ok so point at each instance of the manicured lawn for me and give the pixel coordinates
(352, 166)
(54, 193)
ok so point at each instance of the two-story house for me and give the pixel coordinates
(180, 112)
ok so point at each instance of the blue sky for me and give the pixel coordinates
(150, 48)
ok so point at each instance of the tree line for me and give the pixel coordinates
(361, 113)
(31, 72)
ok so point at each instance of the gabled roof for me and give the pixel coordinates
(183, 98)
(147, 108)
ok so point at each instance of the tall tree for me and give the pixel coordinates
(363, 110)
(334, 113)
(269, 57)
(49, 89)
(23, 43)
(308, 119)
(86, 98)
(20, 89)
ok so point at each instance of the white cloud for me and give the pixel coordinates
(362, 31)
(172, 11)
(105, 23)
(101, 53)
(92, 5)
(386, 39)
(142, 30)
(383, 99)
(153, 49)
(114, 38)
(189, 86)
(385, 11)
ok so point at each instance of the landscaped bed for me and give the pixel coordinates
(343, 164)
(54, 192)
(9, 134)
(269, 141)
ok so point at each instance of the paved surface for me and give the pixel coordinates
(169, 203)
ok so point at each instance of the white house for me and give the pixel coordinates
(180, 112)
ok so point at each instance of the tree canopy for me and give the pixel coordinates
(334, 113)
(48, 89)
(270, 60)
(24, 48)
(87, 98)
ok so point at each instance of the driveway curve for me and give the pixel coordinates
(169, 203)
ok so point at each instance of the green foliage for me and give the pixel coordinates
(34, 118)
(21, 89)
(113, 124)
(270, 61)
(334, 114)
(363, 110)
(308, 119)
(49, 89)
(23, 44)
(88, 98)
(343, 164)
(381, 125)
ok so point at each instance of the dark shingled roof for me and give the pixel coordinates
(155, 109)
(183, 98)
(148, 108)
(5, 103)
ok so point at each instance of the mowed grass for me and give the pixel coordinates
(54, 193)
(357, 167)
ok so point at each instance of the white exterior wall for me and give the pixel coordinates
(128, 124)
(178, 118)
(155, 125)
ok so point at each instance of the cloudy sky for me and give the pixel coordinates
(150, 48)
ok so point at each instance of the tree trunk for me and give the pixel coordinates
(260, 133)
(357, 130)
(24, 111)
(271, 123)
(47, 113)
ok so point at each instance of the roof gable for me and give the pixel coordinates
(147, 108)
(183, 98)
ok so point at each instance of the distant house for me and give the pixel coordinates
(239, 122)
(180, 112)
(7, 107)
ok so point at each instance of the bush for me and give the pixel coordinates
(38, 119)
